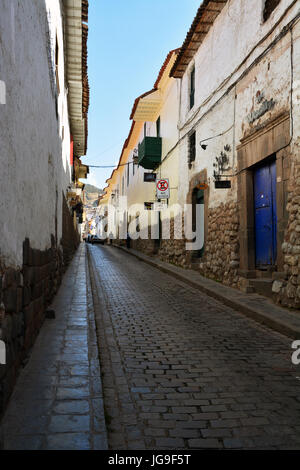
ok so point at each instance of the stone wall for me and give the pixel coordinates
(25, 294)
(70, 236)
(287, 291)
(170, 250)
(173, 250)
(220, 260)
(146, 246)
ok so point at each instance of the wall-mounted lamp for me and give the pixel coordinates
(204, 146)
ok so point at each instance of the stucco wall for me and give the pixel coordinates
(246, 82)
(227, 92)
(138, 191)
(296, 90)
(234, 34)
(34, 159)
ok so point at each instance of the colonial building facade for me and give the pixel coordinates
(236, 143)
(149, 151)
(242, 112)
(43, 134)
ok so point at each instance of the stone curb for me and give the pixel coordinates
(255, 306)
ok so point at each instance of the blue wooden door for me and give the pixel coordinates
(265, 215)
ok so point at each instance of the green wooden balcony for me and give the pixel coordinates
(149, 153)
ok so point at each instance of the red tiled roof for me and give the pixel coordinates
(205, 17)
(160, 74)
(136, 101)
(164, 66)
(155, 87)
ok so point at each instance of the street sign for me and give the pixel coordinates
(159, 206)
(149, 177)
(162, 188)
(148, 206)
(222, 184)
(202, 186)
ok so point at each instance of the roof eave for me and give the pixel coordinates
(206, 15)
(76, 64)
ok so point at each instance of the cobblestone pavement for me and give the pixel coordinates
(57, 402)
(180, 370)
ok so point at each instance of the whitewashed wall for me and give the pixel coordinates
(34, 159)
(230, 47)
(296, 91)
(138, 191)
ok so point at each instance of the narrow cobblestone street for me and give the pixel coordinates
(137, 360)
(180, 370)
(150, 228)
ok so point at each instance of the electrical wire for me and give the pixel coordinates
(287, 28)
(111, 166)
(106, 150)
(226, 80)
(218, 135)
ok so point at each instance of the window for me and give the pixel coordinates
(145, 129)
(158, 127)
(133, 167)
(270, 6)
(192, 88)
(56, 65)
(192, 149)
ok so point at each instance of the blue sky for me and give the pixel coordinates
(128, 43)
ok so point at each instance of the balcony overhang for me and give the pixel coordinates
(147, 106)
(83, 171)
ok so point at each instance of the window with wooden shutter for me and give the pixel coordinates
(192, 88)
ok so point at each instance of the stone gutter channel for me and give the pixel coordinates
(255, 306)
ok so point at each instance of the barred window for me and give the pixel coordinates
(270, 6)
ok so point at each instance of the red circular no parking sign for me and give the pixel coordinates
(162, 185)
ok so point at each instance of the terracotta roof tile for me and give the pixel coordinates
(205, 17)
(155, 87)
